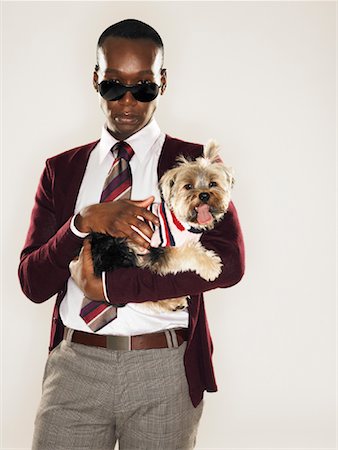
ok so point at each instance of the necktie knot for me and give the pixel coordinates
(124, 150)
(119, 179)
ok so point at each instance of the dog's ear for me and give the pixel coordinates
(211, 152)
(166, 184)
(229, 171)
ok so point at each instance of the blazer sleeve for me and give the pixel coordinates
(139, 285)
(49, 248)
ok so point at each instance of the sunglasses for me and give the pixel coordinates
(112, 90)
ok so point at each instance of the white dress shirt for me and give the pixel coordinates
(134, 318)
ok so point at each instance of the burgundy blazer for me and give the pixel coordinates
(50, 246)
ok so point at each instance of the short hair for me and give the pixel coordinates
(131, 29)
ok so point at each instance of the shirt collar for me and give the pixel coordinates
(141, 142)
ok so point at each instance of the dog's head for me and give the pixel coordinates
(198, 191)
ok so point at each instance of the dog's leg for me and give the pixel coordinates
(172, 304)
(191, 256)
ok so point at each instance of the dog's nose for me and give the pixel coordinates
(204, 196)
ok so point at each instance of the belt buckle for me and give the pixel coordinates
(118, 342)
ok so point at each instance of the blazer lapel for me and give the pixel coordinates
(72, 179)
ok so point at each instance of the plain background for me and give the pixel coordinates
(260, 78)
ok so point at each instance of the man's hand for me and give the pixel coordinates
(82, 272)
(118, 218)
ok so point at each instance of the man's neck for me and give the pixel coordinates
(120, 137)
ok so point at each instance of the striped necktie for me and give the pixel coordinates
(117, 186)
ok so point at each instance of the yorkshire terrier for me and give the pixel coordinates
(195, 195)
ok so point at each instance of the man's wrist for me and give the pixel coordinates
(80, 224)
(74, 228)
(103, 277)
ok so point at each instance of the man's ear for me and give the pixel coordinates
(95, 81)
(163, 80)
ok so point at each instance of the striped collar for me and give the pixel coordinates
(141, 142)
(171, 231)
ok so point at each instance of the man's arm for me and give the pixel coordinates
(44, 261)
(48, 250)
(139, 285)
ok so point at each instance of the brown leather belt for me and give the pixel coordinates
(166, 339)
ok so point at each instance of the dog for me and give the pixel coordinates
(195, 196)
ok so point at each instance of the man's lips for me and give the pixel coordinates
(126, 119)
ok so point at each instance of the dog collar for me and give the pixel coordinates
(182, 226)
(195, 230)
(171, 231)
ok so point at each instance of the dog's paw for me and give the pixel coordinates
(172, 304)
(211, 266)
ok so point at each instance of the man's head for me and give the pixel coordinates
(130, 53)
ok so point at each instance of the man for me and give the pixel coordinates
(138, 377)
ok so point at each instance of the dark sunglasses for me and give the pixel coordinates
(112, 90)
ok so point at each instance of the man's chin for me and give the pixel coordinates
(122, 131)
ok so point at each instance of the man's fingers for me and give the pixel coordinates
(87, 248)
(143, 235)
(73, 267)
(143, 227)
(133, 234)
(83, 260)
(144, 203)
(74, 263)
(141, 209)
(146, 214)
(88, 264)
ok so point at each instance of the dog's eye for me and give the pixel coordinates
(212, 184)
(188, 187)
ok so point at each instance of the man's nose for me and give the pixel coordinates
(204, 196)
(128, 98)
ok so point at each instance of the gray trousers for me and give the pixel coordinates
(93, 397)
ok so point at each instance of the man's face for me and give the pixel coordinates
(129, 61)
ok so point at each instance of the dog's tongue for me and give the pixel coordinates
(203, 214)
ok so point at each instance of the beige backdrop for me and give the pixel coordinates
(260, 78)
